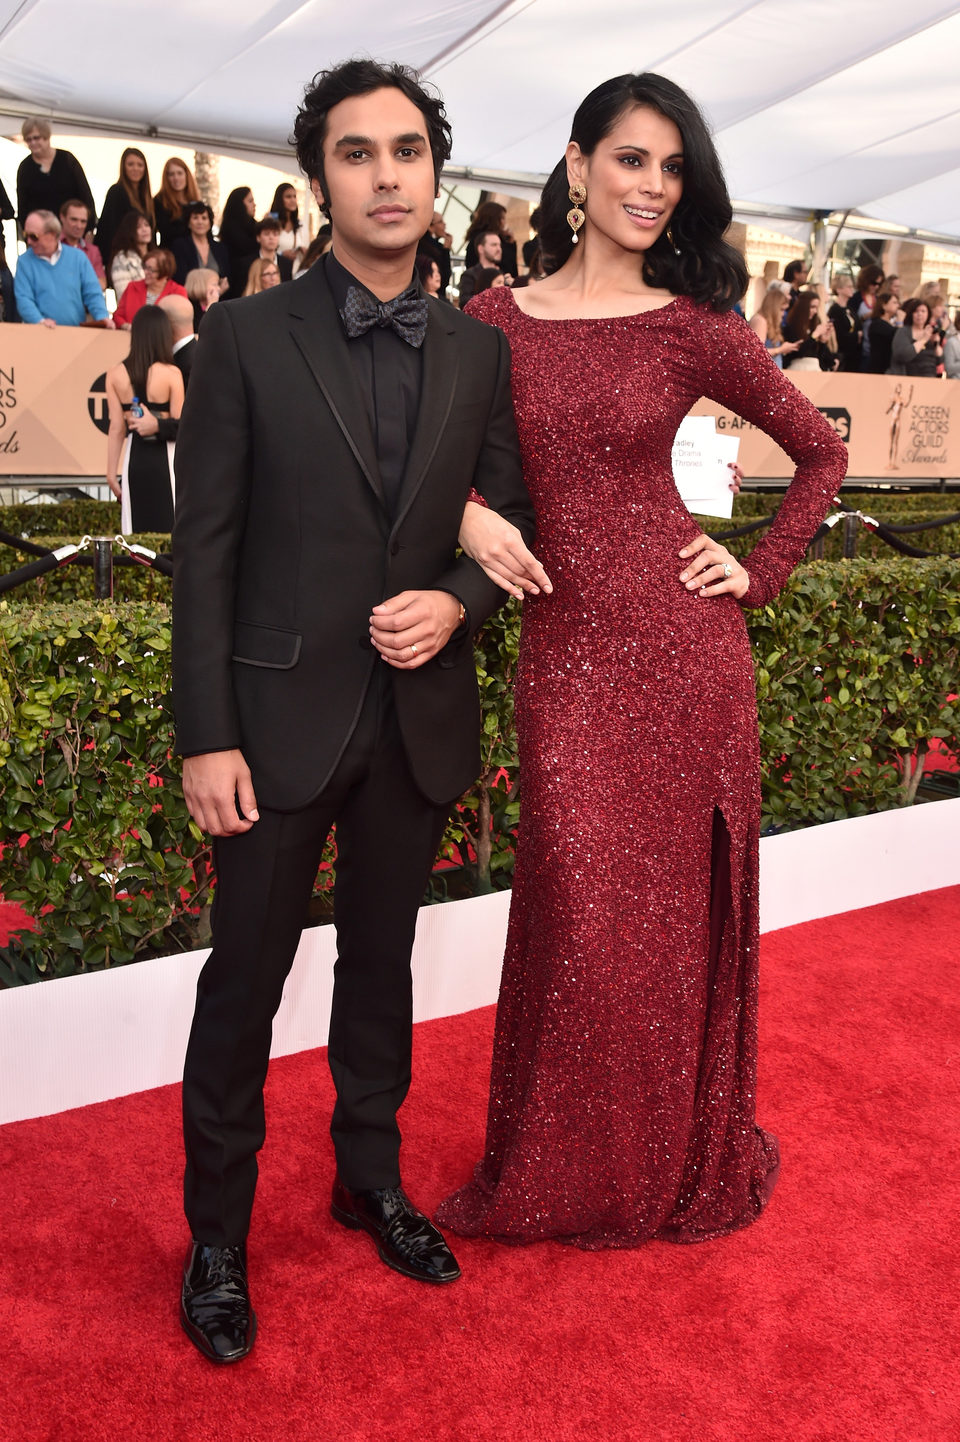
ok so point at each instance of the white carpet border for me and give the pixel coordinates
(89, 1038)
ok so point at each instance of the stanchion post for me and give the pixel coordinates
(103, 568)
(850, 523)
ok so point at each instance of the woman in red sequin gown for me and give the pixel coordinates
(622, 1100)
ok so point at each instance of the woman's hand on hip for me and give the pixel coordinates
(711, 570)
(498, 547)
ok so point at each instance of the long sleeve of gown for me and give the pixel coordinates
(743, 378)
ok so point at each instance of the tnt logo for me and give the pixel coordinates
(839, 419)
(97, 404)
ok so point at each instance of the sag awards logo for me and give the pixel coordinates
(922, 431)
(97, 404)
(9, 444)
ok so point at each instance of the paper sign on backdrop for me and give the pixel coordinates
(701, 467)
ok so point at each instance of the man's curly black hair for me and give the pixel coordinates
(360, 77)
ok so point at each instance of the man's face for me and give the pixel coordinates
(379, 173)
(74, 222)
(801, 277)
(269, 241)
(490, 250)
(40, 241)
(438, 226)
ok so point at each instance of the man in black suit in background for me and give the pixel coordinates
(323, 666)
(179, 311)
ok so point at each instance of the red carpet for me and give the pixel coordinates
(834, 1317)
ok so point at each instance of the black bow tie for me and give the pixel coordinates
(407, 314)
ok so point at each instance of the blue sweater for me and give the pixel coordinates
(64, 292)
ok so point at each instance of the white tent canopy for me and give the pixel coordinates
(817, 107)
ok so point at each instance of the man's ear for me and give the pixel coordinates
(317, 193)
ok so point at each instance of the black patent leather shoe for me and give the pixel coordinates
(406, 1240)
(215, 1309)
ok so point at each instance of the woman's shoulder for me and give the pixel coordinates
(492, 306)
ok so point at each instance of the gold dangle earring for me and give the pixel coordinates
(671, 241)
(576, 217)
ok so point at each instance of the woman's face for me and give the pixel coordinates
(144, 233)
(814, 309)
(269, 277)
(39, 144)
(289, 198)
(634, 179)
(891, 307)
(920, 317)
(199, 223)
(844, 291)
(432, 283)
(213, 293)
(134, 169)
(151, 271)
(497, 282)
(249, 204)
(176, 177)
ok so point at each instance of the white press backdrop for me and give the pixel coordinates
(816, 106)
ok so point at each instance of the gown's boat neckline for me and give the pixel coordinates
(590, 319)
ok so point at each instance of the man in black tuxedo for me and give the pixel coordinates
(180, 313)
(323, 666)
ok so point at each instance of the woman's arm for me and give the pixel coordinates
(176, 391)
(738, 373)
(499, 548)
(116, 435)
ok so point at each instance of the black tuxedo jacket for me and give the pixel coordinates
(283, 542)
(183, 359)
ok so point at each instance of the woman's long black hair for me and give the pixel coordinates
(151, 340)
(289, 219)
(708, 269)
(238, 229)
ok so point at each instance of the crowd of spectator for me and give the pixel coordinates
(148, 248)
(144, 247)
(868, 327)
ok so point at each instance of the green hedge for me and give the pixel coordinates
(854, 665)
(62, 518)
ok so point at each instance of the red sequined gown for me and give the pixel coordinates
(622, 1102)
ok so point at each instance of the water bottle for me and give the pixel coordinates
(136, 409)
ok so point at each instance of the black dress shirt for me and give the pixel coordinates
(389, 372)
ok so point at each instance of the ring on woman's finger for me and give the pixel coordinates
(728, 570)
(413, 650)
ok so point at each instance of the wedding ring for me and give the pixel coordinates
(413, 650)
(728, 570)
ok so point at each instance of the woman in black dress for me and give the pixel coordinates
(178, 187)
(238, 232)
(130, 192)
(198, 250)
(48, 177)
(140, 468)
(805, 324)
(881, 331)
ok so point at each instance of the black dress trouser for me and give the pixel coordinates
(387, 839)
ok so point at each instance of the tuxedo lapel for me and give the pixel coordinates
(441, 364)
(318, 334)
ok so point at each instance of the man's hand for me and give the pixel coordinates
(498, 547)
(213, 784)
(52, 324)
(145, 425)
(409, 629)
